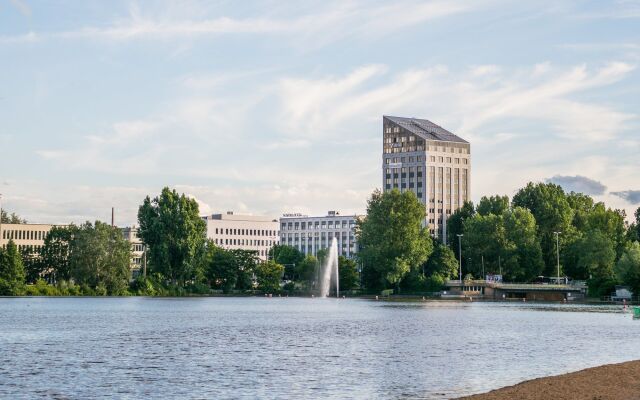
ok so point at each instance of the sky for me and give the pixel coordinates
(267, 107)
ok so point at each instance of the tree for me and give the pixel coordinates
(269, 275)
(493, 205)
(455, 225)
(32, 263)
(611, 223)
(288, 256)
(11, 219)
(221, 268)
(484, 239)
(441, 265)
(633, 233)
(627, 269)
(11, 271)
(523, 255)
(171, 227)
(392, 238)
(306, 271)
(99, 257)
(595, 256)
(246, 262)
(54, 255)
(347, 273)
(552, 212)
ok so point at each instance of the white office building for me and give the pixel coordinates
(310, 234)
(247, 232)
(26, 236)
(130, 234)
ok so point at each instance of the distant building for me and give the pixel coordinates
(130, 234)
(310, 234)
(25, 236)
(435, 164)
(247, 232)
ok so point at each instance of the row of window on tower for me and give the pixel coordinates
(245, 232)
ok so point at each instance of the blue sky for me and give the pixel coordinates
(267, 107)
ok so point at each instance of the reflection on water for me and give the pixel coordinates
(296, 348)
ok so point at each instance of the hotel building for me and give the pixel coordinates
(247, 232)
(435, 164)
(310, 234)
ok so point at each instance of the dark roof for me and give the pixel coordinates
(425, 129)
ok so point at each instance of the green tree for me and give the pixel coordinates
(633, 233)
(455, 225)
(269, 275)
(523, 255)
(54, 255)
(484, 239)
(222, 268)
(307, 270)
(627, 269)
(595, 255)
(347, 273)
(288, 256)
(441, 265)
(12, 274)
(553, 213)
(99, 257)
(611, 223)
(392, 238)
(246, 262)
(171, 227)
(493, 205)
(12, 218)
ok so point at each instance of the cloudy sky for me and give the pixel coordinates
(267, 107)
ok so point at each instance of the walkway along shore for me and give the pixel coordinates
(607, 382)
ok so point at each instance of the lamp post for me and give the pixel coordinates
(460, 255)
(558, 253)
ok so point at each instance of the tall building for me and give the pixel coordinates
(310, 234)
(247, 232)
(430, 161)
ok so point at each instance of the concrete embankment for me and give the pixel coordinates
(607, 382)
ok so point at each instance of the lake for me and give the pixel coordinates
(194, 348)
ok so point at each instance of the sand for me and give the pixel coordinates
(614, 382)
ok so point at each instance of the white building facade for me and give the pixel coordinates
(246, 232)
(130, 234)
(310, 234)
(26, 236)
(435, 164)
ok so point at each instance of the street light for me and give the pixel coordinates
(460, 255)
(558, 253)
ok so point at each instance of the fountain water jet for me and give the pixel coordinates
(329, 267)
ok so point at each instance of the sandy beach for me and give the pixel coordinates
(607, 382)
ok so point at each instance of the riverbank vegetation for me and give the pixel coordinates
(513, 237)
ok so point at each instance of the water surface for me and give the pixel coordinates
(295, 348)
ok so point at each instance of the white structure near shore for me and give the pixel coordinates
(310, 234)
(246, 232)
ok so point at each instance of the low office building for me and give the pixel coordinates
(130, 234)
(310, 234)
(246, 232)
(26, 236)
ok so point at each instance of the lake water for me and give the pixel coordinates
(250, 348)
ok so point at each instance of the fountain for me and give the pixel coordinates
(328, 267)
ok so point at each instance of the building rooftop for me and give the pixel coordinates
(425, 129)
(230, 216)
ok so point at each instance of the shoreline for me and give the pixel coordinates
(606, 382)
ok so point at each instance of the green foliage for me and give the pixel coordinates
(306, 271)
(171, 227)
(13, 218)
(288, 256)
(493, 205)
(99, 257)
(442, 263)
(54, 255)
(552, 212)
(392, 238)
(455, 225)
(230, 269)
(627, 270)
(348, 273)
(269, 275)
(12, 276)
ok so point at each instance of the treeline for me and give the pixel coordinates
(519, 238)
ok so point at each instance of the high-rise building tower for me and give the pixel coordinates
(430, 161)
